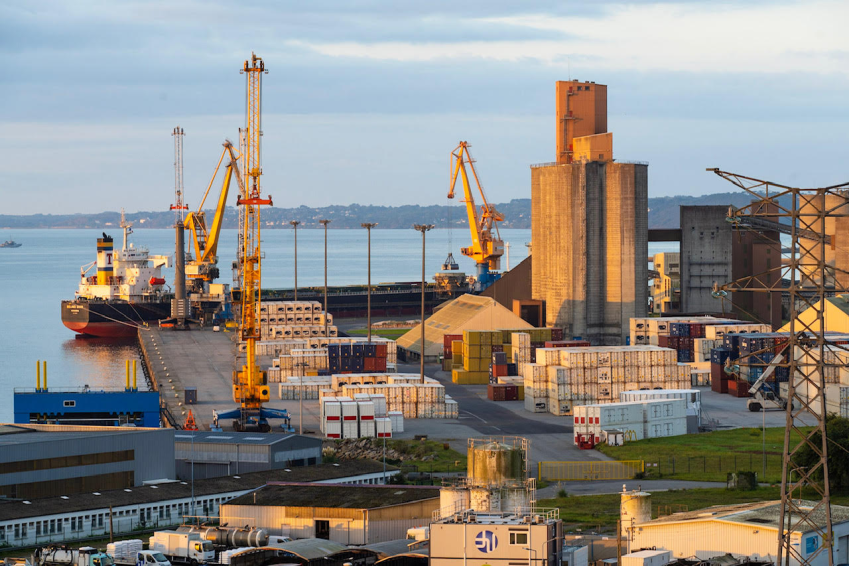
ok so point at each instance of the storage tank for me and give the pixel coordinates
(513, 498)
(634, 509)
(231, 537)
(484, 499)
(453, 499)
(497, 461)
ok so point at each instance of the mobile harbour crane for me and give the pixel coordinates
(486, 249)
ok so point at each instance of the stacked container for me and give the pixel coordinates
(639, 419)
(293, 319)
(565, 377)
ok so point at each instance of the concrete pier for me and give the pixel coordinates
(197, 358)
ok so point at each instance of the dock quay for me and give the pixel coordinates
(199, 358)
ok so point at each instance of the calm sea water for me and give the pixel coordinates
(37, 276)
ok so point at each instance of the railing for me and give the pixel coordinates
(553, 163)
(68, 390)
(583, 471)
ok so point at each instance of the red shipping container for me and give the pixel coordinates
(557, 334)
(718, 379)
(380, 349)
(511, 393)
(663, 341)
(567, 344)
(497, 348)
(498, 370)
(738, 388)
(379, 364)
(496, 392)
(369, 365)
(447, 339)
(673, 342)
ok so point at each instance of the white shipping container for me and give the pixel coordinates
(333, 429)
(367, 429)
(383, 427)
(350, 429)
(647, 558)
(397, 419)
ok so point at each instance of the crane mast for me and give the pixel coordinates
(178, 207)
(486, 248)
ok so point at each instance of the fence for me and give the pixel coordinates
(580, 471)
(716, 467)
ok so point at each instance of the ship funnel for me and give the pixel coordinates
(104, 260)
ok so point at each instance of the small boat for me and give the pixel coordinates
(10, 244)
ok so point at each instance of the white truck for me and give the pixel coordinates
(60, 555)
(182, 548)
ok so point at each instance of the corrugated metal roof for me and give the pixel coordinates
(148, 494)
(312, 548)
(466, 312)
(249, 438)
(395, 548)
(335, 496)
(763, 513)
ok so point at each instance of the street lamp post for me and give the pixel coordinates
(325, 223)
(301, 365)
(368, 226)
(423, 228)
(295, 224)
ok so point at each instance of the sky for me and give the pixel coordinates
(364, 100)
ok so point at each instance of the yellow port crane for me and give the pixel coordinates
(486, 248)
(250, 388)
(203, 268)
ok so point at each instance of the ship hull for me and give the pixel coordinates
(112, 319)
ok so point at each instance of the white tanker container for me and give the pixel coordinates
(230, 537)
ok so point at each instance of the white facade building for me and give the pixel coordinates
(744, 530)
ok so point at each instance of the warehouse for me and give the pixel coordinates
(360, 514)
(159, 504)
(467, 312)
(52, 460)
(223, 454)
(744, 530)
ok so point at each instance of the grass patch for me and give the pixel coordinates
(427, 456)
(391, 333)
(707, 456)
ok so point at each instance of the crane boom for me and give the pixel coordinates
(486, 249)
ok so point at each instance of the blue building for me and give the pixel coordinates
(85, 406)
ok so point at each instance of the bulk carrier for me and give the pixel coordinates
(127, 291)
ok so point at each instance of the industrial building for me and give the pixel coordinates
(666, 286)
(157, 504)
(361, 514)
(589, 237)
(466, 312)
(222, 454)
(54, 460)
(743, 530)
(477, 539)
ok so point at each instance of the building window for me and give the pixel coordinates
(17, 531)
(52, 526)
(518, 538)
(69, 403)
(23, 530)
(73, 523)
(100, 520)
(38, 528)
(2, 534)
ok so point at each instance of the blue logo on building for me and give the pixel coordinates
(486, 541)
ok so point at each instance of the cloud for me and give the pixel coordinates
(706, 37)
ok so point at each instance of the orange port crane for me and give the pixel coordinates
(250, 387)
(486, 248)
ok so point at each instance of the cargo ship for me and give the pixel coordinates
(387, 299)
(126, 292)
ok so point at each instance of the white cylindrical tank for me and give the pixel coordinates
(453, 499)
(634, 509)
(513, 499)
(484, 499)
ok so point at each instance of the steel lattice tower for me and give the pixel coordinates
(811, 280)
(178, 207)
